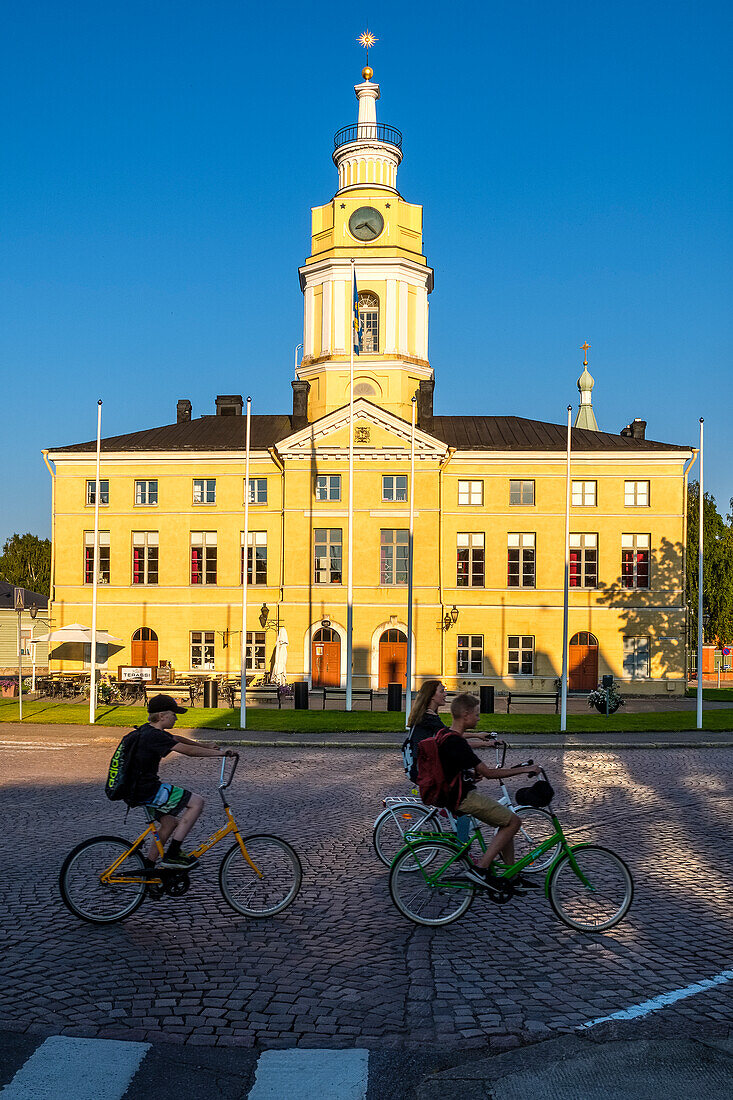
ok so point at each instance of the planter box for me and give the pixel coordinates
(10, 691)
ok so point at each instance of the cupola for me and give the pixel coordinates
(367, 153)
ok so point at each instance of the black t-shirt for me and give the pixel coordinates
(428, 726)
(153, 744)
(456, 755)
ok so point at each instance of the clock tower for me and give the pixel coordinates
(367, 222)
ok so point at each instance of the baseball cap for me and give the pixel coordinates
(159, 703)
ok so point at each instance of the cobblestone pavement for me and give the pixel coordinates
(341, 964)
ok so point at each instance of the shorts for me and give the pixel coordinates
(486, 809)
(168, 800)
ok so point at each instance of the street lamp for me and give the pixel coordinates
(451, 618)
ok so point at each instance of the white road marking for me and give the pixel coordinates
(305, 1074)
(664, 999)
(35, 745)
(85, 1069)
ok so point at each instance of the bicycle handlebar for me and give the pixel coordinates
(222, 785)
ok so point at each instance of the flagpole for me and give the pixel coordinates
(566, 587)
(245, 558)
(410, 544)
(700, 544)
(350, 551)
(93, 676)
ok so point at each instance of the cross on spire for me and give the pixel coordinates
(584, 348)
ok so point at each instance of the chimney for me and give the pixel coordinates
(229, 404)
(183, 411)
(300, 403)
(425, 404)
(635, 430)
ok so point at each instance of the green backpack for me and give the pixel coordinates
(120, 779)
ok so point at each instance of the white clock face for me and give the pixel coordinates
(366, 223)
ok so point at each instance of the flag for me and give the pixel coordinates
(356, 321)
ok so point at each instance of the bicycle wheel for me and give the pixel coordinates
(413, 895)
(536, 827)
(603, 902)
(255, 896)
(81, 886)
(392, 824)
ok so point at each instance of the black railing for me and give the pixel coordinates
(368, 131)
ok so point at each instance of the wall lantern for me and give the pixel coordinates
(264, 612)
(451, 618)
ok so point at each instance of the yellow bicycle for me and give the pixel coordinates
(104, 879)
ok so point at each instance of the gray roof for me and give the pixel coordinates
(487, 433)
(6, 598)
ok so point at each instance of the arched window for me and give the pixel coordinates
(369, 318)
(584, 638)
(144, 634)
(326, 634)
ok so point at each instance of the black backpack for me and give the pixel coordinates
(120, 778)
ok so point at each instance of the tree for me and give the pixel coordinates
(717, 579)
(26, 562)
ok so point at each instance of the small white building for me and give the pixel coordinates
(33, 624)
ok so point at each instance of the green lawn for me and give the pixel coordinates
(715, 695)
(331, 721)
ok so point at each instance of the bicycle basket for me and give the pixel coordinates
(538, 795)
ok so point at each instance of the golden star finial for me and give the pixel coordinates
(367, 40)
(584, 348)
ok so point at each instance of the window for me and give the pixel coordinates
(103, 491)
(584, 494)
(369, 321)
(583, 561)
(521, 492)
(202, 649)
(393, 557)
(394, 487)
(470, 655)
(636, 658)
(203, 557)
(103, 577)
(255, 651)
(258, 490)
(636, 494)
(146, 492)
(328, 487)
(256, 557)
(520, 655)
(471, 492)
(327, 553)
(470, 564)
(520, 561)
(204, 490)
(144, 557)
(635, 561)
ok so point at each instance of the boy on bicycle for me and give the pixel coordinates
(176, 808)
(457, 756)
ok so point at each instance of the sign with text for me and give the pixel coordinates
(136, 672)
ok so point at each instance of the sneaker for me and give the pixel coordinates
(178, 863)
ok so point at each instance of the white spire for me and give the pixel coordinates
(586, 417)
(368, 153)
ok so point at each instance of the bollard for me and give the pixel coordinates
(486, 695)
(394, 696)
(300, 696)
(211, 693)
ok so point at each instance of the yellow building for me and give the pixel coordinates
(489, 500)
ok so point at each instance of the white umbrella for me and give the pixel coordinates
(281, 657)
(75, 632)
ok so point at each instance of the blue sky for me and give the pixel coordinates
(159, 162)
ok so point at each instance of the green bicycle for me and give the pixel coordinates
(589, 887)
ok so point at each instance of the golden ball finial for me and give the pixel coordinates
(367, 72)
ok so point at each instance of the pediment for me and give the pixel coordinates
(376, 433)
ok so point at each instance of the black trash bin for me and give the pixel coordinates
(211, 693)
(300, 696)
(486, 694)
(394, 696)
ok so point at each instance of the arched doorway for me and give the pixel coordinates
(393, 658)
(144, 648)
(326, 658)
(583, 662)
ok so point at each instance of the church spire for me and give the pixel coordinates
(586, 417)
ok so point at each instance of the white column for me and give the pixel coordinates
(422, 323)
(390, 319)
(339, 319)
(243, 655)
(700, 548)
(93, 654)
(326, 319)
(308, 326)
(404, 337)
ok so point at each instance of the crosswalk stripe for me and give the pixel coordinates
(85, 1069)
(305, 1074)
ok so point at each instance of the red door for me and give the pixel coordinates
(393, 658)
(144, 648)
(326, 658)
(583, 662)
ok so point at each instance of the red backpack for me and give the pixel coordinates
(435, 790)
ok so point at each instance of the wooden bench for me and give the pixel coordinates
(264, 691)
(186, 692)
(340, 693)
(533, 697)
